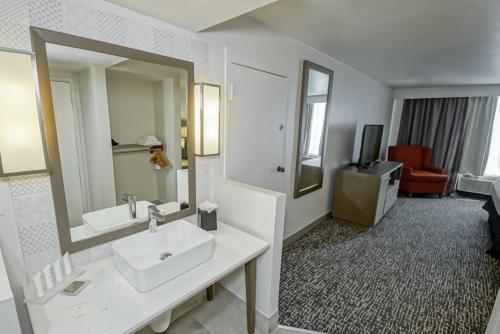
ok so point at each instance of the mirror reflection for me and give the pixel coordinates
(122, 135)
(315, 102)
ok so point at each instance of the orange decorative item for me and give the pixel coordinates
(159, 160)
(419, 176)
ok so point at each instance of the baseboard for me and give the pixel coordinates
(306, 229)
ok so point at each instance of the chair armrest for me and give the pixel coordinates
(406, 172)
(434, 169)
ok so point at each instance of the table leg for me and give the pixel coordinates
(210, 292)
(250, 282)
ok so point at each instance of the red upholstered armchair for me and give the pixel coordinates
(419, 176)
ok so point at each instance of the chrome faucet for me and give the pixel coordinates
(154, 216)
(131, 200)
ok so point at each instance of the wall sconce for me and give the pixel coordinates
(207, 117)
(21, 145)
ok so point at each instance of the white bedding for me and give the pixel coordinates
(495, 195)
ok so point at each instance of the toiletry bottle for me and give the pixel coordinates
(68, 270)
(47, 275)
(37, 282)
(58, 272)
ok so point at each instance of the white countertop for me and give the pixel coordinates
(5, 291)
(109, 304)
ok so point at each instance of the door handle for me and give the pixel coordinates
(280, 169)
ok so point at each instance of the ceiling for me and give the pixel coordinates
(399, 42)
(194, 15)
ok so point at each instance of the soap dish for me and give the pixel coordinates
(30, 294)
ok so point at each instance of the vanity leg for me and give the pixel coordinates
(250, 281)
(210, 292)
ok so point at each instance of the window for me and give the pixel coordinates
(316, 129)
(493, 164)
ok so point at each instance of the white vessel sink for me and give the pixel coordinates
(116, 217)
(148, 260)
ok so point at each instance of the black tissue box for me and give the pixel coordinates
(208, 220)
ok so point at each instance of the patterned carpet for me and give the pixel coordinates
(423, 269)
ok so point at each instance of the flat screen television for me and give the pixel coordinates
(370, 144)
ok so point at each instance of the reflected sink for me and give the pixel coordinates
(148, 260)
(116, 217)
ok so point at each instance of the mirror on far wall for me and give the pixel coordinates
(311, 139)
(122, 127)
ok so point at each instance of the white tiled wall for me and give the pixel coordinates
(32, 195)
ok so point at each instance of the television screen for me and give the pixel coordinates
(370, 144)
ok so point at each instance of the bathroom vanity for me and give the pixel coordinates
(99, 102)
(109, 304)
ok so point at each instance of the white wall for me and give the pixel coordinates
(238, 207)
(446, 91)
(132, 115)
(95, 119)
(357, 100)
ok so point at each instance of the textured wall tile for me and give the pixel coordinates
(164, 42)
(36, 262)
(38, 238)
(46, 14)
(140, 36)
(199, 52)
(14, 36)
(80, 19)
(183, 48)
(111, 28)
(15, 11)
(24, 185)
(33, 209)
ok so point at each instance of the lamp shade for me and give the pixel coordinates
(21, 145)
(207, 119)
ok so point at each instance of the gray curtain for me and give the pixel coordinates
(439, 124)
(480, 117)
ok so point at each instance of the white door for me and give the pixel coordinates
(256, 127)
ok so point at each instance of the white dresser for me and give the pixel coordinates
(8, 314)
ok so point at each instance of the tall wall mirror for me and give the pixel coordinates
(313, 119)
(118, 126)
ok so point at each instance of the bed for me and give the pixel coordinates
(492, 206)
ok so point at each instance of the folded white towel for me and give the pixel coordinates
(149, 141)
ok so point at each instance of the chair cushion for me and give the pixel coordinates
(410, 155)
(426, 176)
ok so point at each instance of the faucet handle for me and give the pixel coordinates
(128, 197)
(153, 209)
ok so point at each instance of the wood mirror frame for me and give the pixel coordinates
(39, 39)
(307, 66)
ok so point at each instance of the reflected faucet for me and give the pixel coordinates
(154, 215)
(131, 200)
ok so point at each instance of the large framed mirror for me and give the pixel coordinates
(313, 119)
(118, 124)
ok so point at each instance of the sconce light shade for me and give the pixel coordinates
(21, 145)
(207, 118)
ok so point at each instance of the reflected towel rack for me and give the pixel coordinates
(131, 148)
